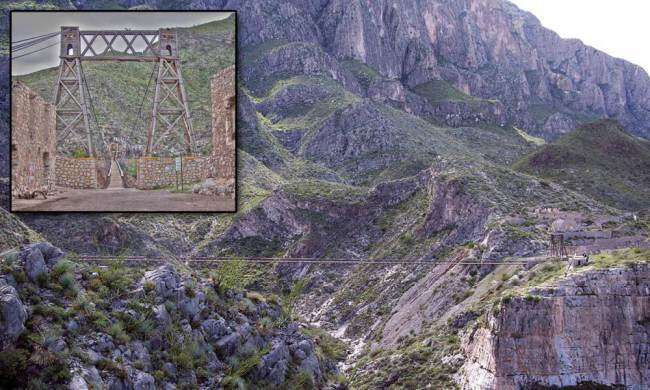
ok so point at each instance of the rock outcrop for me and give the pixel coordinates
(12, 314)
(163, 330)
(590, 328)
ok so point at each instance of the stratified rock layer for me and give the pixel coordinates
(592, 327)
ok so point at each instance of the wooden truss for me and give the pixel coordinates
(170, 114)
(556, 247)
(71, 109)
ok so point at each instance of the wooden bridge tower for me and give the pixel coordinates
(170, 115)
(557, 248)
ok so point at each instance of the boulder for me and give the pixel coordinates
(227, 345)
(169, 369)
(164, 279)
(273, 366)
(78, 383)
(191, 307)
(143, 381)
(214, 329)
(13, 314)
(34, 264)
(92, 377)
(161, 315)
(50, 253)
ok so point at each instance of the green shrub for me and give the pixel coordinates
(289, 301)
(532, 298)
(328, 346)
(13, 363)
(189, 290)
(62, 267)
(303, 380)
(42, 280)
(99, 320)
(19, 276)
(119, 335)
(69, 284)
(79, 153)
(231, 276)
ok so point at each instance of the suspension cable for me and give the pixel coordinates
(25, 45)
(33, 51)
(92, 105)
(139, 119)
(310, 260)
(38, 36)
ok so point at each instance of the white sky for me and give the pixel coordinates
(620, 28)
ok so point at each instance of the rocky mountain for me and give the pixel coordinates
(488, 49)
(84, 326)
(599, 159)
(380, 130)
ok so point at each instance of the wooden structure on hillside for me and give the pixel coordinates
(556, 248)
(170, 106)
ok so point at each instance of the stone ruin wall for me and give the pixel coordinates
(223, 123)
(157, 172)
(76, 172)
(33, 142)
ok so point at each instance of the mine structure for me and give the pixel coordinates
(170, 107)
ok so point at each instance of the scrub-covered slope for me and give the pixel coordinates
(599, 159)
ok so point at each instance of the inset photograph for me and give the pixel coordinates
(123, 111)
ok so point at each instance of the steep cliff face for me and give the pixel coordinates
(485, 48)
(591, 327)
(493, 50)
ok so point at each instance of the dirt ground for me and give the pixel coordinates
(125, 200)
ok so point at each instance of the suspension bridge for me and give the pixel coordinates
(75, 105)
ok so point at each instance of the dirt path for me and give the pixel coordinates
(116, 179)
(125, 200)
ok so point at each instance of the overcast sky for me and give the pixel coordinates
(29, 24)
(620, 28)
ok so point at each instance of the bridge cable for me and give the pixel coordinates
(25, 45)
(92, 105)
(38, 36)
(146, 92)
(224, 259)
(34, 51)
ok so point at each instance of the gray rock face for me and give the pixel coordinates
(274, 365)
(144, 381)
(34, 264)
(192, 306)
(78, 383)
(13, 314)
(304, 353)
(490, 49)
(161, 316)
(227, 345)
(51, 254)
(165, 280)
(486, 48)
(214, 329)
(558, 124)
(592, 326)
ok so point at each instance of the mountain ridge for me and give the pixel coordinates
(599, 159)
